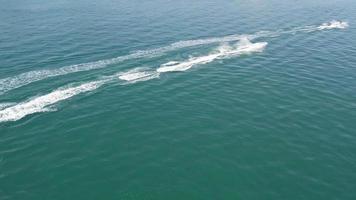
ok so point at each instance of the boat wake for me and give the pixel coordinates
(17, 81)
(44, 103)
(242, 47)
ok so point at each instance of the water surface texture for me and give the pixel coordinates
(189, 99)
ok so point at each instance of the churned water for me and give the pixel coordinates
(203, 99)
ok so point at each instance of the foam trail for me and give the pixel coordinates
(43, 103)
(10, 83)
(334, 24)
(13, 112)
(137, 75)
(243, 47)
(26, 78)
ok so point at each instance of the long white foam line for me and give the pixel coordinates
(334, 24)
(10, 83)
(42, 103)
(243, 47)
(26, 78)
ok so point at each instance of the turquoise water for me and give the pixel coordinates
(213, 99)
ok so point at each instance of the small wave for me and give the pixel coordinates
(137, 75)
(334, 25)
(243, 47)
(43, 103)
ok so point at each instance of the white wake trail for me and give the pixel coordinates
(42, 103)
(334, 24)
(243, 47)
(14, 82)
(17, 81)
(13, 111)
(11, 83)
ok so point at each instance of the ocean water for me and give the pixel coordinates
(189, 99)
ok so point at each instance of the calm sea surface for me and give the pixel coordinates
(188, 99)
